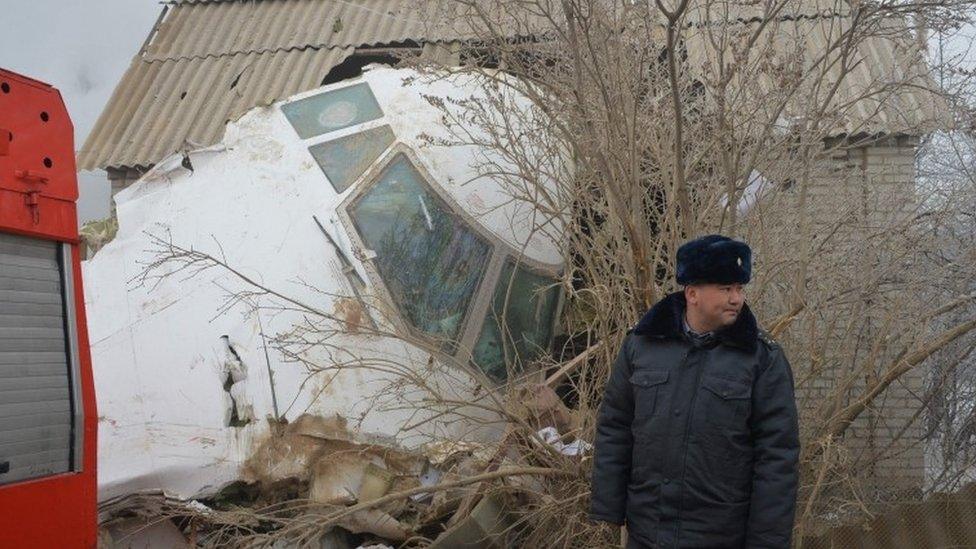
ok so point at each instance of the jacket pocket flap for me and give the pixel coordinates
(727, 388)
(649, 378)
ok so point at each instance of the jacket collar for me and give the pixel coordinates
(665, 319)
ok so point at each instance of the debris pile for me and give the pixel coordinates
(313, 483)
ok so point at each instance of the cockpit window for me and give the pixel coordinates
(332, 110)
(429, 259)
(525, 321)
(345, 159)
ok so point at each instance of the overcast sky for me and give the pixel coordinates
(82, 48)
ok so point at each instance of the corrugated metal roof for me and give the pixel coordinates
(179, 87)
(161, 106)
(887, 87)
(218, 28)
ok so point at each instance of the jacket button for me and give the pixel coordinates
(677, 412)
(667, 480)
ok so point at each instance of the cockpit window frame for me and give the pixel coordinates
(479, 305)
(518, 263)
(360, 188)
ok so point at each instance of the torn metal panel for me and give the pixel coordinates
(187, 375)
(577, 447)
(487, 527)
(336, 479)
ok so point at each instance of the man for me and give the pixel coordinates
(697, 439)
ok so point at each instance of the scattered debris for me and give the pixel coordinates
(543, 407)
(445, 452)
(138, 533)
(487, 527)
(375, 522)
(430, 477)
(96, 234)
(313, 478)
(550, 436)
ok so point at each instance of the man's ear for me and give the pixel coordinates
(691, 295)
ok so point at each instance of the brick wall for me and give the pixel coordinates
(120, 178)
(873, 188)
(859, 200)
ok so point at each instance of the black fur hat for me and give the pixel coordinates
(714, 259)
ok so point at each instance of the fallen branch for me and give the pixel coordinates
(574, 363)
(843, 419)
(500, 473)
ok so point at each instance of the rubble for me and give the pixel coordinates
(551, 436)
(375, 507)
(487, 527)
(142, 534)
(446, 490)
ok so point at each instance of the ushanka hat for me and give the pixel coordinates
(714, 259)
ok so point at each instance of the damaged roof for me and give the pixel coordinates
(160, 107)
(887, 85)
(206, 62)
(211, 28)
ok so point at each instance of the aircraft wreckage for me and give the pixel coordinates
(287, 280)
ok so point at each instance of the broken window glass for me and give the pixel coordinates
(429, 259)
(526, 321)
(343, 160)
(332, 110)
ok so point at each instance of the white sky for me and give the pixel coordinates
(81, 47)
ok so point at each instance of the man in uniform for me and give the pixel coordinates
(697, 440)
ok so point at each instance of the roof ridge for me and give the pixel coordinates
(273, 50)
(825, 14)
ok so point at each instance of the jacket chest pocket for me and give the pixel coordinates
(726, 402)
(647, 384)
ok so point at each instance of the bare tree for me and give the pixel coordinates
(794, 125)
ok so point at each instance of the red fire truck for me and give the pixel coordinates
(47, 398)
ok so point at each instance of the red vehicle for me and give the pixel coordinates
(47, 398)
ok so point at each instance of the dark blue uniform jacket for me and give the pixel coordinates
(697, 443)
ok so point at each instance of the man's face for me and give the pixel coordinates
(716, 305)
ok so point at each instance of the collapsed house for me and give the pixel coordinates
(241, 156)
